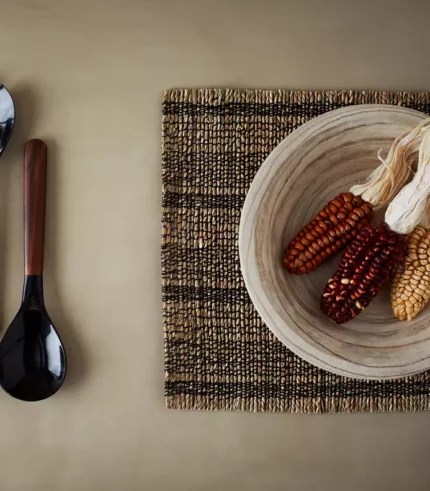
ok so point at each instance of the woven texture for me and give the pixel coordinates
(219, 355)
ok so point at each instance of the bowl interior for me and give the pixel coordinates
(316, 162)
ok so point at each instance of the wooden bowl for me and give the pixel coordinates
(309, 168)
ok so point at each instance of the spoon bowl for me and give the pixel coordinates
(7, 117)
(32, 357)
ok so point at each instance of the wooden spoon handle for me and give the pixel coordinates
(35, 158)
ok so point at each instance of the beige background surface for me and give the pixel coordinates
(88, 76)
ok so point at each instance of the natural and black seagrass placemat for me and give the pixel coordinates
(219, 355)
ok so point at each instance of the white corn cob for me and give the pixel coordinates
(410, 289)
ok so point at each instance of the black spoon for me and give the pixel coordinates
(32, 357)
(7, 117)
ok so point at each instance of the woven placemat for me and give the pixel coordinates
(219, 355)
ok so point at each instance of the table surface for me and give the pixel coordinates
(88, 77)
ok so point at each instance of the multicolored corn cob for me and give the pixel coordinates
(410, 291)
(334, 226)
(367, 264)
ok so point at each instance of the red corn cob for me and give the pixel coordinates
(343, 218)
(334, 226)
(368, 262)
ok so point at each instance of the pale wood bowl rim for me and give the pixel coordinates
(251, 274)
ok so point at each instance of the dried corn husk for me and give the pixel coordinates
(408, 208)
(387, 179)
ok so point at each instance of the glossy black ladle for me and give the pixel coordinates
(32, 356)
(7, 117)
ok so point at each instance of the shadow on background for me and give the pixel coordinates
(77, 362)
(25, 114)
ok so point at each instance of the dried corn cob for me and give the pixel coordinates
(367, 263)
(343, 218)
(373, 257)
(410, 290)
(335, 225)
